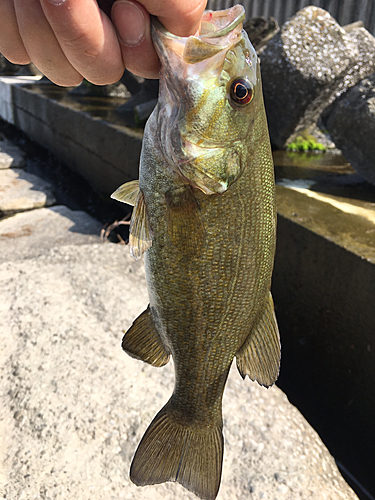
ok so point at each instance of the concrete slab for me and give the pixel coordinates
(74, 406)
(20, 190)
(32, 233)
(10, 155)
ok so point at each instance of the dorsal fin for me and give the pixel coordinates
(143, 342)
(259, 357)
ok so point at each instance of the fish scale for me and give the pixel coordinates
(207, 229)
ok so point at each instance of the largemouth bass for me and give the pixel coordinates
(204, 213)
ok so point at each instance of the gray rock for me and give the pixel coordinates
(74, 406)
(10, 155)
(29, 234)
(364, 64)
(21, 190)
(302, 66)
(351, 124)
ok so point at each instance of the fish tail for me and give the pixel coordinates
(192, 455)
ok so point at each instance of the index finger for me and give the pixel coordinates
(86, 37)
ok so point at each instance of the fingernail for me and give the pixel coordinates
(129, 21)
(56, 2)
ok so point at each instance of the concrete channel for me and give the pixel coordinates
(324, 279)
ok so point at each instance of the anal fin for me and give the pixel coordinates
(259, 357)
(143, 342)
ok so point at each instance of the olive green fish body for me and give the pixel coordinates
(206, 199)
(207, 301)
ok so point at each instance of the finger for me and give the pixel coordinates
(87, 38)
(11, 45)
(41, 44)
(132, 22)
(180, 17)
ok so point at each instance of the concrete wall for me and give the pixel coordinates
(325, 300)
(104, 154)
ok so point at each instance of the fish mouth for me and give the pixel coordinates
(218, 31)
(216, 24)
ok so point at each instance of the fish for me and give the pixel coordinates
(205, 219)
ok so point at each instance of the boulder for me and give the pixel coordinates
(302, 67)
(351, 124)
(74, 406)
(364, 64)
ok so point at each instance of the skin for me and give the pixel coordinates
(69, 40)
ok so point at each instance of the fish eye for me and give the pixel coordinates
(241, 92)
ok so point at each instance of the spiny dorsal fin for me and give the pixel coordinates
(259, 357)
(127, 193)
(140, 233)
(143, 342)
(185, 226)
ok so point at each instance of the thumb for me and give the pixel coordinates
(132, 23)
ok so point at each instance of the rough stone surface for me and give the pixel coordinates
(351, 124)
(302, 66)
(364, 63)
(10, 155)
(29, 234)
(20, 190)
(74, 406)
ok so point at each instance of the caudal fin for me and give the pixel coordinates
(172, 451)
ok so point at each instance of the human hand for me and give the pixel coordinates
(69, 40)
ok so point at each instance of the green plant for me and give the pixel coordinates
(307, 143)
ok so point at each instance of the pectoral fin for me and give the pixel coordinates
(140, 233)
(259, 357)
(127, 193)
(143, 342)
